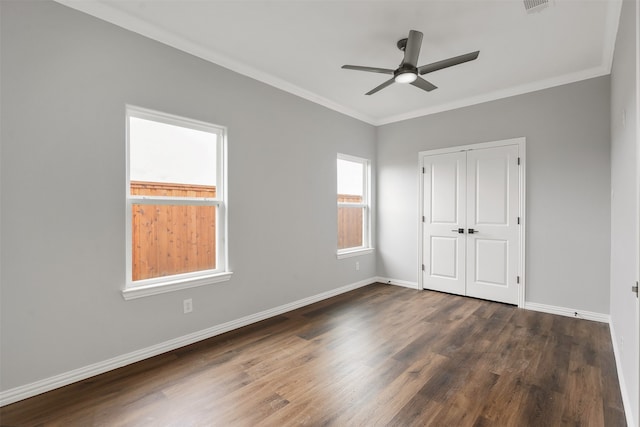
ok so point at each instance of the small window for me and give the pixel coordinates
(176, 210)
(354, 212)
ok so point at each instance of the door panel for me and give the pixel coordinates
(492, 212)
(491, 262)
(445, 192)
(491, 189)
(444, 257)
(444, 211)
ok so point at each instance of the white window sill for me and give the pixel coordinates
(174, 285)
(356, 252)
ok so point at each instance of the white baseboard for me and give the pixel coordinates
(552, 309)
(569, 312)
(29, 390)
(403, 283)
(626, 402)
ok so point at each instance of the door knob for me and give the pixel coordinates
(459, 230)
(471, 231)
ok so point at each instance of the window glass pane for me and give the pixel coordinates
(350, 227)
(164, 153)
(350, 178)
(172, 239)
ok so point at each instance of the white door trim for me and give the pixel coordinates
(521, 143)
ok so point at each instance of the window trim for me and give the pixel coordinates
(366, 247)
(356, 252)
(157, 285)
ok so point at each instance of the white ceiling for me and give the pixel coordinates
(300, 45)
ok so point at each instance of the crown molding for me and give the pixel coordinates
(106, 12)
(611, 33)
(500, 94)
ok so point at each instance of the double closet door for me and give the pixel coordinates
(471, 222)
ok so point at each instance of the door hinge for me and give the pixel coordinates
(422, 218)
(517, 279)
(422, 267)
(423, 170)
(518, 161)
(518, 220)
(635, 289)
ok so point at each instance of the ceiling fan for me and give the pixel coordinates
(408, 71)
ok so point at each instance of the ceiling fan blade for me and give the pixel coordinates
(423, 84)
(445, 63)
(412, 49)
(369, 69)
(379, 88)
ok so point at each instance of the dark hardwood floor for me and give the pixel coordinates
(379, 355)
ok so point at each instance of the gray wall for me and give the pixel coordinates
(624, 196)
(568, 182)
(66, 78)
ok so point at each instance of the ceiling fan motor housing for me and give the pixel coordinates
(405, 68)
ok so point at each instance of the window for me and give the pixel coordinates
(354, 212)
(176, 203)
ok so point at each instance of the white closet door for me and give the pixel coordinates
(492, 224)
(444, 211)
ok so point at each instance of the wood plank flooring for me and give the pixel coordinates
(377, 356)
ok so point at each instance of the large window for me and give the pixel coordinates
(354, 212)
(176, 211)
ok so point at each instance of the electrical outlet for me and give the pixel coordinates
(357, 265)
(187, 305)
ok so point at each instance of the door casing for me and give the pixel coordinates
(521, 143)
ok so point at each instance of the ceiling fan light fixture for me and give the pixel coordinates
(406, 77)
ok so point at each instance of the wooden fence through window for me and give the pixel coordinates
(349, 222)
(172, 239)
(175, 239)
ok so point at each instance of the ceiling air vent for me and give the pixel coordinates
(533, 6)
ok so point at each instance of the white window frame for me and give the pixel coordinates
(158, 285)
(366, 247)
